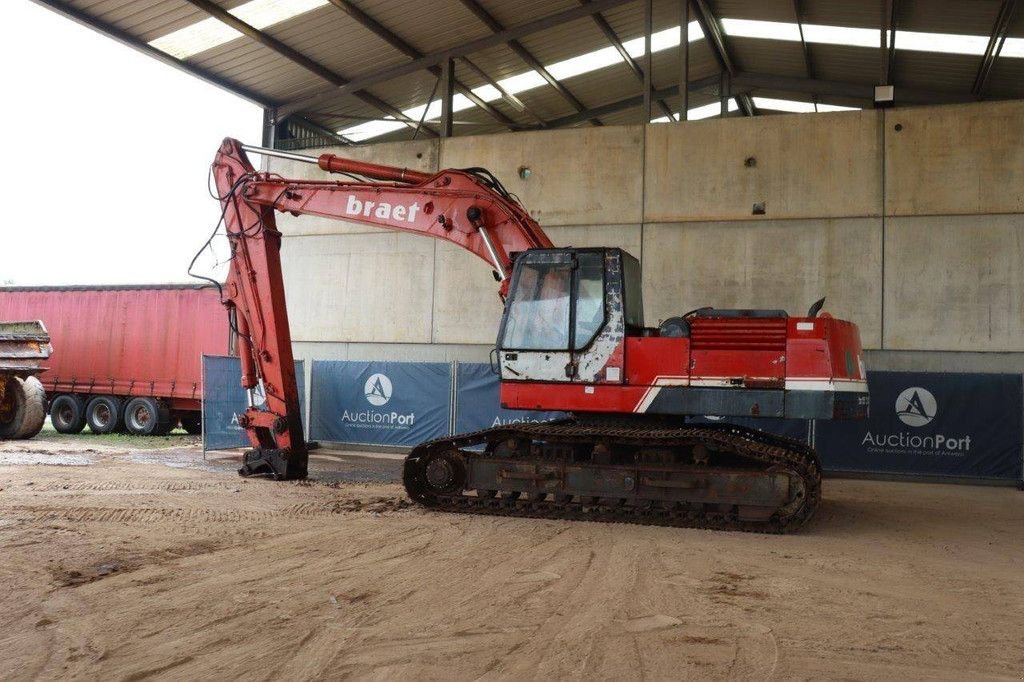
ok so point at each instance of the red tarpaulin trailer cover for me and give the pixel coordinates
(125, 340)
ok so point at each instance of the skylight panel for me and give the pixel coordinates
(710, 110)
(210, 33)
(941, 42)
(771, 30)
(1013, 47)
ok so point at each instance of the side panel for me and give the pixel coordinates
(122, 341)
(776, 368)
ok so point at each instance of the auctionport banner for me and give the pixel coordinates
(380, 403)
(224, 400)
(478, 405)
(954, 425)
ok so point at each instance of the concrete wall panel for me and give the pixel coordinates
(359, 287)
(966, 159)
(781, 264)
(577, 177)
(955, 283)
(467, 309)
(418, 155)
(821, 166)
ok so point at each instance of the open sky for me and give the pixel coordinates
(104, 156)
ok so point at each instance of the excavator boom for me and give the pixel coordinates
(468, 208)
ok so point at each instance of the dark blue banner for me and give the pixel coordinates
(954, 425)
(224, 400)
(477, 402)
(380, 403)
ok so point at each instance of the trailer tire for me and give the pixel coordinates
(192, 423)
(35, 408)
(104, 415)
(147, 417)
(67, 413)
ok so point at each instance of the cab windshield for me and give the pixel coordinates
(542, 304)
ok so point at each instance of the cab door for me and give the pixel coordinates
(558, 324)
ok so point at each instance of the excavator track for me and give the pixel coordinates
(717, 476)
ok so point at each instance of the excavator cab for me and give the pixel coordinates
(567, 313)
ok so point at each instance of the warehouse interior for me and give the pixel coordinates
(754, 156)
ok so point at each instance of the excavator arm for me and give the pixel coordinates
(467, 207)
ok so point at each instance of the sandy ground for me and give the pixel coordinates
(122, 565)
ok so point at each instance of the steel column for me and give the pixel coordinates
(447, 92)
(684, 59)
(648, 62)
(267, 138)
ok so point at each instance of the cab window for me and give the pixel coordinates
(589, 298)
(538, 318)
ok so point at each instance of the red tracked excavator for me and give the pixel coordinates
(572, 339)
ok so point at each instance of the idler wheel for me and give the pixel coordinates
(444, 472)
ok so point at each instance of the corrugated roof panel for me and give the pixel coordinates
(843, 13)
(761, 10)
(1006, 79)
(566, 41)
(331, 38)
(845, 63)
(262, 69)
(628, 20)
(1016, 28)
(933, 71)
(428, 26)
(546, 102)
(778, 57)
(147, 19)
(511, 13)
(976, 17)
(666, 65)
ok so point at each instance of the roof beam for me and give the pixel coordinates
(89, 21)
(483, 15)
(866, 93)
(995, 45)
(463, 48)
(613, 38)
(716, 40)
(632, 102)
(271, 43)
(393, 39)
(745, 81)
(514, 101)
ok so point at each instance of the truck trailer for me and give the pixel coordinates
(130, 355)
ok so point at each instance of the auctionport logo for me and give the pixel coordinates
(378, 390)
(916, 406)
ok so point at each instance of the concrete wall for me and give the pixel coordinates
(910, 221)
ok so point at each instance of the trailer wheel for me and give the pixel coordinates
(192, 422)
(103, 414)
(67, 413)
(147, 417)
(12, 408)
(35, 408)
